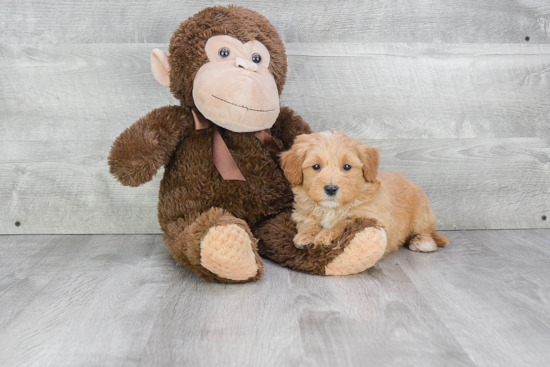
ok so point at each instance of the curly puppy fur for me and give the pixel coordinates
(335, 182)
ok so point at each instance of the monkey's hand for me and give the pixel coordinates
(144, 147)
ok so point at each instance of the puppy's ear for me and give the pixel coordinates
(370, 157)
(292, 160)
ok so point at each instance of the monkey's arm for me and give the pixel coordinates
(288, 126)
(144, 147)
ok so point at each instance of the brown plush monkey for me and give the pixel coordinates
(222, 188)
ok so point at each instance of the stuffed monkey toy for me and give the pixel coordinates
(224, 200)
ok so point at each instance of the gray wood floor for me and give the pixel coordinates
(108, 300)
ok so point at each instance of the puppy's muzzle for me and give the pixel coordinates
(331, 189)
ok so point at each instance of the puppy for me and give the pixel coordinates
(335, 180)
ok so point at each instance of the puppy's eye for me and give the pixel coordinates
(347, 167)
(224, 53)
(316, 167)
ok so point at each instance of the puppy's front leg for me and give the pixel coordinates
(326, 236)
(306, 234)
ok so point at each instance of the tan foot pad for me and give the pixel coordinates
(227, 252)
(364, 250)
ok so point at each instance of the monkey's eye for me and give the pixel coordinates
(347, 167)
(256, 58)
(316, 167)
(224, 53)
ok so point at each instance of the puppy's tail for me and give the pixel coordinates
(440, 240)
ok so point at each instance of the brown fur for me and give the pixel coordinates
(395, 203)
(139, 152)
(187, 45)
(276, 237)
(183, 241)
(193, 197)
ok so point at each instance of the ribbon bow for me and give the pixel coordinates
(223, 160)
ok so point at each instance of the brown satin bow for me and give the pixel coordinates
(223, 160)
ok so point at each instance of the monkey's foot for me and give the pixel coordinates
(216, 245)
(226, 251)
(363, 251)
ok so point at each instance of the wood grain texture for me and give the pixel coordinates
(423, 90)
(487, 296)
(95, 305)
(234, 326)
(379, 91)
(380, 310)
(75, 92)
(65, 187)
(470, 123)
(122, 301)
(505, 21)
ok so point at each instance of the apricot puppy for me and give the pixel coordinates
(335, 180)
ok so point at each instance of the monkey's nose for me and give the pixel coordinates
(246, 64)
(331, 189)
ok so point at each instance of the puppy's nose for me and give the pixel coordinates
(331, 189)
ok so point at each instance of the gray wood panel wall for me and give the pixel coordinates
(451, 92)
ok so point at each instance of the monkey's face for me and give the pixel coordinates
(235, 89)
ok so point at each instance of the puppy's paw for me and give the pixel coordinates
(304, 239)
(422, 243)
(325, 238)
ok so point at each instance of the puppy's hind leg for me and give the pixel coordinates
(423, 236)
(422, 243)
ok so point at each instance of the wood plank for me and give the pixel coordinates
(61, 107)
(18, 257)
(102, 309)
(97, 307)
(206, 324)
(122, 301)
(92, 92)
(390, 322)
(484, 298)
(51, 187)
(527, 254)
(505, 21)
(423, 91)
(87, 92)
(123, 291)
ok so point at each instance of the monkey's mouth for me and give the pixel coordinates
(236, 105)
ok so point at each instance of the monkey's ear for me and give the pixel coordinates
(160, 66)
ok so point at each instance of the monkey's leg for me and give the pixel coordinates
(217, 246)
(360, 246)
